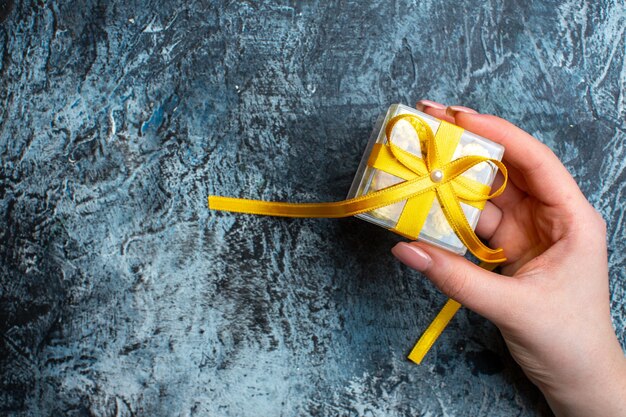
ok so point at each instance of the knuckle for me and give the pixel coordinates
(589, 224)
(454, 285)
(601, 222)
(596, 223)
(546, 149)
(537, 165)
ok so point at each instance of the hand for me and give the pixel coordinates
(552, 302)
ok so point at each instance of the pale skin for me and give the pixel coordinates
(551, 300)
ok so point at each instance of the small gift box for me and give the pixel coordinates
(404, 127)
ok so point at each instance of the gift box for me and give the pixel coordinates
(436, 228)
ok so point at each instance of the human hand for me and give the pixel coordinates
(552, 302)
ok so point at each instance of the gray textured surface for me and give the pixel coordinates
(121, 294)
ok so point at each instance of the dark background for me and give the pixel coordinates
(121, 294)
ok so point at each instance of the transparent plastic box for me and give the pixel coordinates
(436, 230)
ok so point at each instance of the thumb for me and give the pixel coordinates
(489, 294)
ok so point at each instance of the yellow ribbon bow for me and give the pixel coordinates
(435, 175)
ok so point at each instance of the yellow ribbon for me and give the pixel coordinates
(434, 176)
(439, 323)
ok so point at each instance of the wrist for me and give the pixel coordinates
(598, 391)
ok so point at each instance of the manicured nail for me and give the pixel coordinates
(411, 256)
(423, 104)
(453, 110)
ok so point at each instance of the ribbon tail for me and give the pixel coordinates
(439, 323)
(337, 209)
(434, 330)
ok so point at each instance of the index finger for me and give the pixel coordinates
(547, 178)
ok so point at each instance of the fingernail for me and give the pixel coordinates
(411, 256)
(453, 110)
(423, 104)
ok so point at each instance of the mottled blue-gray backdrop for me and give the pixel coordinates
(121, 294)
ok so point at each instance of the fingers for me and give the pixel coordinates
(512, 194)
(542, 171)
(515, 190)
(488, 221)
(535, 168)
(434, 109)
(485, 292)
(441, 111)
